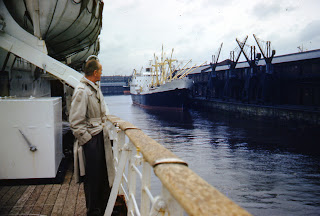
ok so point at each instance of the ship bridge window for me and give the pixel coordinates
(148, 69)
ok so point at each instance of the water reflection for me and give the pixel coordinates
(181, 120)
(267, 167)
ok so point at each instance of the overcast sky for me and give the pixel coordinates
(133, 30)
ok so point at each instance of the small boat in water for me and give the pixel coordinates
(160, 86)
(126, 90)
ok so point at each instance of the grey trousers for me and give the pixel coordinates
(96, 184)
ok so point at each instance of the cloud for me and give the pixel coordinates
(311, 31)
(217, 3)
(122, 5)
(266, 10)
(133, 30)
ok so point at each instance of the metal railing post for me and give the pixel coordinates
(118, 145)
(121, 139)
(116, 184)
(166, 205)
(145, 185)
(131, 181)
(172, 206)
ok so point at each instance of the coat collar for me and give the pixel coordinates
(88, 82)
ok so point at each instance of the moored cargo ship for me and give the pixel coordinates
(171, 95)
(160, 86)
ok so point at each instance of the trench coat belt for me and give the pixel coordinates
(96, 121)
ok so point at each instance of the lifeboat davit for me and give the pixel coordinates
(70, 28)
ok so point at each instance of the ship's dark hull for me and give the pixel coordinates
(168, 100)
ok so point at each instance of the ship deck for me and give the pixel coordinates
(66, 198)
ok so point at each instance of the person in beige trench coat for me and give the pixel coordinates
(92, 148)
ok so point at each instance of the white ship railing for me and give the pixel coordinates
(182, 190)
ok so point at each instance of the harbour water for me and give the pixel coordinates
(267, 167)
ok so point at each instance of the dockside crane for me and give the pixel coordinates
(267, 54)
(232, 83)
(234, 60)
(267, 80)
(212, 82)
(215, 59)
(251, 61)
(249, 92)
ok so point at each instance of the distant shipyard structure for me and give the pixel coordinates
(115, 85)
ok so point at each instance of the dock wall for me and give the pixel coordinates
(291, 113)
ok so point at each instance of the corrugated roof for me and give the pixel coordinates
(297, 56)
(199, 69)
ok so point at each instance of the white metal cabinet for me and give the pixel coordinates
(40, 120)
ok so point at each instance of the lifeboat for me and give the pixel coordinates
(76, 60)
(70, 28)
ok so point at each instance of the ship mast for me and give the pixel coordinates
(170, 66)
(156, 66)
(162, 67)
(152, 73)
(182, 70)
(189, 71)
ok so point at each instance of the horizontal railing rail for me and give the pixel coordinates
(182, 190)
